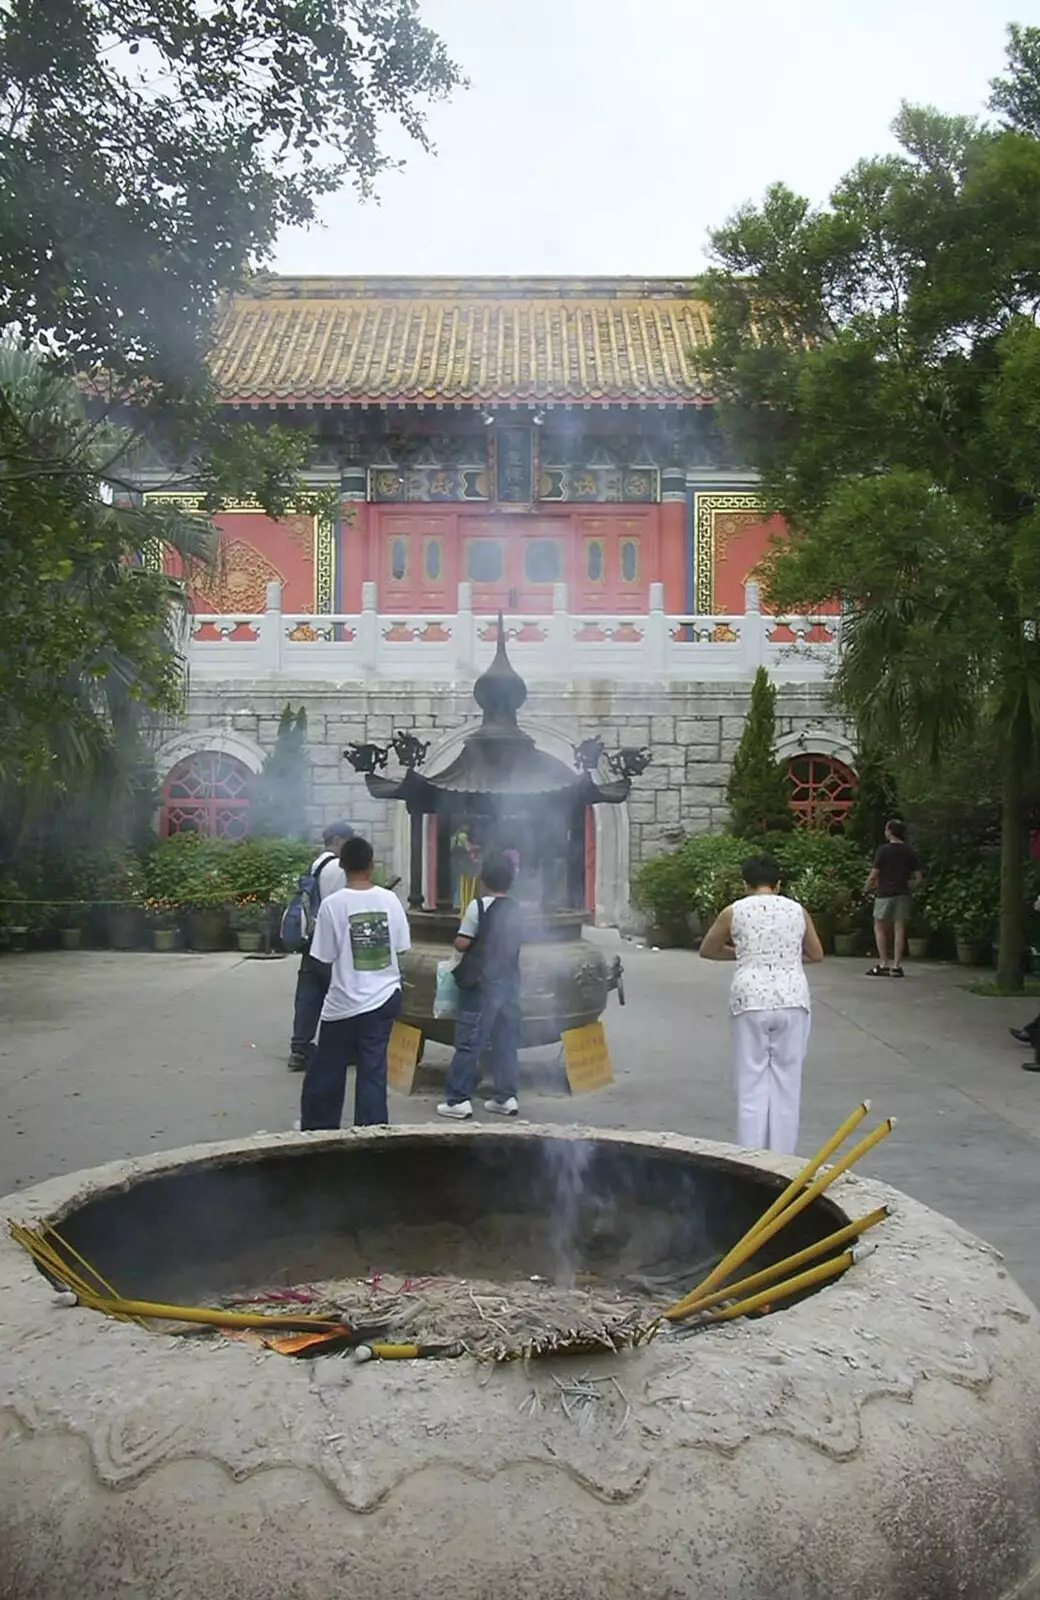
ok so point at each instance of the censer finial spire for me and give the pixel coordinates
(500, 691)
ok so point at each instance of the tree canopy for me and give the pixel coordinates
(151, 150)
(88, 632)
(878, 360)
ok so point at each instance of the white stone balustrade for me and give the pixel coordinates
(544, 647)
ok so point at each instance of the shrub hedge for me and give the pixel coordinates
(823, 870)
(40, 893)
(826, 872)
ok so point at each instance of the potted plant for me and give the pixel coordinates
(14, 914)
(829, 902)
(75, 880)
(965, 902)
(120, 889)
(209, 916)
(917, 940)
(163, 917)
(848, 926)
(71, 921)
(248, 922)
(189, 873)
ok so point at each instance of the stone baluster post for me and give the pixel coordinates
(368, 629)
(656, 642)
(754, 631)
(272, 629)
(465, 631)
(560, 634)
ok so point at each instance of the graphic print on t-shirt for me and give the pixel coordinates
(370, 940)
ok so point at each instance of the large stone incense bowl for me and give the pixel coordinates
(877, 1440)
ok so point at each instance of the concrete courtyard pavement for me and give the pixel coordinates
(104, 1055)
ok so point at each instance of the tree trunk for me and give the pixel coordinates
(1011, 941)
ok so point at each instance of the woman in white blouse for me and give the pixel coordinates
(769, 937)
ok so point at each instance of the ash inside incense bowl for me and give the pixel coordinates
(487, 1317)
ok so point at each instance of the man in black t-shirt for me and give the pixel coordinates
(895, 875)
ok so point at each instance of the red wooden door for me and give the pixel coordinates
(414, 554)
(514, 562)
(615, 559)
(484, 562)
(539, 559)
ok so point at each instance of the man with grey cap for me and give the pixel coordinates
(312, 980)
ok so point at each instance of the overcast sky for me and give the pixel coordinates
(608, 136)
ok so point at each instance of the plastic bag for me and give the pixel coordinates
(446, 995)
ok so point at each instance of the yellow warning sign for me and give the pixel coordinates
(402, 1057)
(586, 1058)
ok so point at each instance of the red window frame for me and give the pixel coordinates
(823, 789)
(207, 793)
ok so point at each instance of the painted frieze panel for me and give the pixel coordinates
(299, 552)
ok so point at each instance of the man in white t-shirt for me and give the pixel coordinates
(312, 981)
(358, 936)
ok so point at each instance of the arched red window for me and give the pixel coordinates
(207, 793)
(822, 790)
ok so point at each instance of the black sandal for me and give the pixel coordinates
(878, 972)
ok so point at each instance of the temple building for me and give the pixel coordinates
(544, 449)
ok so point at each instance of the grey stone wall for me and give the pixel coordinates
(692, 730)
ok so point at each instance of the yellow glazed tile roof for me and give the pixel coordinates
(467, 341)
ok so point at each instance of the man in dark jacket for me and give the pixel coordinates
(1030, 1034)
(312, 981)
(491, 932)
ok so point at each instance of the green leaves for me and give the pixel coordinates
(758, 793)
(153, 149)
(879, 362)
(85, 631)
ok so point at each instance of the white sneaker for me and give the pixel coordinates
(460, 1113)
(503, 1108)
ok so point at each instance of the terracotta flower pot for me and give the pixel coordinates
(847, 944)
(917, 949)
(248, 941)
(164, 939)
(71, 938)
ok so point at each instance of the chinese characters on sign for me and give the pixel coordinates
(586, 1058)
(515, 467)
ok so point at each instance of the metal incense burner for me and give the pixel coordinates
(503, 793)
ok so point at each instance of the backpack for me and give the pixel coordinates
(300, 915)
(495, 950)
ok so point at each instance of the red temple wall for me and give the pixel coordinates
(253, 551)
(730, 540)
(607, 555)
